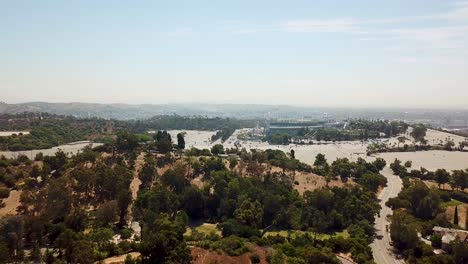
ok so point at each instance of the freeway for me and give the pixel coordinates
(381, 248)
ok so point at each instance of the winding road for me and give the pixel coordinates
(381, 248)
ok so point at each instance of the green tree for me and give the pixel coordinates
(181, 140)
(163, 141)
(250, 213)
(418, 133)
(441, 176)
(217, 149)
(163, 242)
(455, 216)
(107, 213)
(320, 160)
(402, 233)
(379, 163)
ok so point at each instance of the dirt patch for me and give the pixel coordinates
(135, 184)
(462, 208)
(11, 203)
(198, 182)
(120, 259)
(203, 256)
(311, 181)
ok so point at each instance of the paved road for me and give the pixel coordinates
(381, 248)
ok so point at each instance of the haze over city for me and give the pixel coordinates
(310, 53)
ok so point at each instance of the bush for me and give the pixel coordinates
(460, 196)
(4, 192)
(232, 227)
(255, 258)
(125, 233)
(233, 246)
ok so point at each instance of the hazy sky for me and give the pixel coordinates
(312, 53)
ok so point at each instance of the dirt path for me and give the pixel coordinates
(11, 203)
(135, 184)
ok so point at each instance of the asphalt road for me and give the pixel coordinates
(381, 249)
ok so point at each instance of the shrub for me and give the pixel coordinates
(255, 258)
(4, 192)
(125, 233)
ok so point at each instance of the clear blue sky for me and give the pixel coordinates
(313, 53)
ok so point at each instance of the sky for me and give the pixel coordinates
(363, 53)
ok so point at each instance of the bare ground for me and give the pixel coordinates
(11, 203)
(120, 259)
(311, 181)
(203, 256)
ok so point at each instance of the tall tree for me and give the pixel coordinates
(442, 176)
(163, 242)
(181, 140)
(455, 216)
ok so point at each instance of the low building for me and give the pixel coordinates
(450, 234)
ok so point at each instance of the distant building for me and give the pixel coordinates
(450, 234)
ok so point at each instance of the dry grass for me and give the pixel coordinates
(120, 259)
(311, 181)
(204, 256)
(11, 203)
(462, 208)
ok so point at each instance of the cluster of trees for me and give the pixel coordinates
(361, 130)
(389, 128)
(55, 210)
(47, 130)
(458, 179)
(365, 173)
(278, 139)
(244, 206)
(418, 209)
(42, 137)
(168, 122)
(419, 133)
(223, 134)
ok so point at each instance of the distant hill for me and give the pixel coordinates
(434, 117)
(143, 111)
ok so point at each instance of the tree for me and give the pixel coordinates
(107, 213)
(441, 176)
(320, 160)
(83, 252)
(163, 141)
(462, 145)
(163, 242)
(217, 149)
(455, 216)
(459, 179)
(402, 233)
(124, 199)
(379, 163)
(408, 164)
(181, 140)
(418, 133)
(250, 213)
(460, 251)
(449, 145)
(292, 154)
(233, 163)
(126, 141)
(372, 181)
